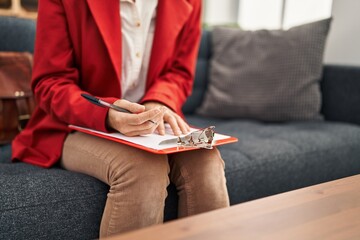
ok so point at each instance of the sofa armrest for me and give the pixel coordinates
(340, 88)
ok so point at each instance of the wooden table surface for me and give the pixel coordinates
(326, 211)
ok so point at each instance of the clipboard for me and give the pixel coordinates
(151, 142)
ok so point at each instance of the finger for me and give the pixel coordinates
(161, 128)
(136, 130)
(143, 131)
(137, 119)
(184, 127)
(173, 124)
(132, 107)
(160, 117)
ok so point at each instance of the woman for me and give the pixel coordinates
(139, 55)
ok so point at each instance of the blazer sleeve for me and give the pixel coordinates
(174, 86)
(55, 76)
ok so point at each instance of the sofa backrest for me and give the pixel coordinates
(17, 34)
(201, 74)
(340, 84)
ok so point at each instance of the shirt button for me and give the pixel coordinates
(138, 24)
(138, 54)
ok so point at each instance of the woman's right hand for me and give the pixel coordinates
(135, 123)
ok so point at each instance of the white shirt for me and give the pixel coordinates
(137, 29)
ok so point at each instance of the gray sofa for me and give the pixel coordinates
(269, 158)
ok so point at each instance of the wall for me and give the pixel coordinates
(18, 9)
(343, 46)
(217, 12)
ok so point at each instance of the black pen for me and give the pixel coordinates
(102, 103)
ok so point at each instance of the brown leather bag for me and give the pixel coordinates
(16, 98)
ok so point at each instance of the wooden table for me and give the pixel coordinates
(326, 211)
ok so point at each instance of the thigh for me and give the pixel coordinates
(105, 159)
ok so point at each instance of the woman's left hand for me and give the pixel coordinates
(177, 124)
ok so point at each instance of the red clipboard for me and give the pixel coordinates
(128, 141)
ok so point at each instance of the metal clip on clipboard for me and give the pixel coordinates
(202, 138)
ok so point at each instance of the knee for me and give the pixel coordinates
(201, 165)
(142, 172)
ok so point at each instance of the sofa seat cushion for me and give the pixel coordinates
(38, 203)
(274, 158)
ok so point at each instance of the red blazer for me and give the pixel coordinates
(78, 49)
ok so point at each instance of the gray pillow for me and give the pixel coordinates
(267, 75)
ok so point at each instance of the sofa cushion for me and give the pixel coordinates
(274, 158)
(268, 75)
(37, 203)
(53, 203)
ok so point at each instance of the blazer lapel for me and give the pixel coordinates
(107, 17)
(171, 17)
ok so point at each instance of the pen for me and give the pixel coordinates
(102, 103)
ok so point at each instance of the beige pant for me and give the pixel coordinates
(138, 180)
